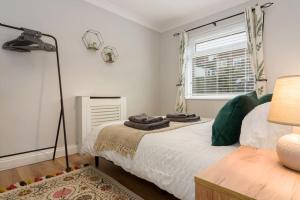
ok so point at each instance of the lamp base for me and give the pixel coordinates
(288, 151)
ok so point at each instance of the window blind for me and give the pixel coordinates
(221, 66)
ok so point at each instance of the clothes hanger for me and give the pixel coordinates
(29, 40)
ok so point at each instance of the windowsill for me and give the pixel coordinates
(225, 97)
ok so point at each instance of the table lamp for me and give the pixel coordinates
(285, 109)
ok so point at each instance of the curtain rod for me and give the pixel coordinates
(266, 5)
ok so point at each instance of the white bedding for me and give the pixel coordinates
(169, 159)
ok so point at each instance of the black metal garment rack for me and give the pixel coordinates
(62, 113)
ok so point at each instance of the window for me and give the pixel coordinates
(219, 64)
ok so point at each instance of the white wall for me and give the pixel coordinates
(29, 98)
(282, 50)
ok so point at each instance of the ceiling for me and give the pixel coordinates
(162, 15)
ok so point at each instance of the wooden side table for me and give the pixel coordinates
(248, 173)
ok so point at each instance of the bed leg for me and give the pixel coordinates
(97, 161)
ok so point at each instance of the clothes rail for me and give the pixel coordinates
(62, 113)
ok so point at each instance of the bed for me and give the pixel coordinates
(168, 159)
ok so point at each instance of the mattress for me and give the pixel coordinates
(168, 159)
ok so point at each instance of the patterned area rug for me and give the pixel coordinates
(83, 184)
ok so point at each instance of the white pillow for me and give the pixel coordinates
(258, 132)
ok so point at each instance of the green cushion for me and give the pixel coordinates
(265, 99)
(227, 125)
(252, 94)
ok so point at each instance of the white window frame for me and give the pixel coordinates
(232, 27)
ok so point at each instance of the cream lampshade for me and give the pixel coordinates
(285, 109)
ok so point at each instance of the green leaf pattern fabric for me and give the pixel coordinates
(180, 106)
(255, 26)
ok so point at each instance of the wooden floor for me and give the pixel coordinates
(141, 187)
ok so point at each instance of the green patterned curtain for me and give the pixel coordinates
(255, 26)
(180, 98)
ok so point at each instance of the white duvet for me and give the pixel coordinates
(169, 159)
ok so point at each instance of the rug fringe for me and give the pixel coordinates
(37, 179)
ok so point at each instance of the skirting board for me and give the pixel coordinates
(34, 157)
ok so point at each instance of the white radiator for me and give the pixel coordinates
(94, 111)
